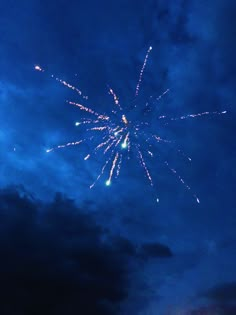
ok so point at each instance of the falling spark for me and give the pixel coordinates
(145, 167)
(181, 180)
(87, 157)
(113, 166)
(65, 145)
(108, 182)
(124, 144)
(119, 166)
(101, 173)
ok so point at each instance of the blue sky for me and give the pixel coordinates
(93, 44)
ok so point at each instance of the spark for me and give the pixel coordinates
(63, 82)
(101, 173)
(65, 145)
(116, 133)
(119, 166)
(145, 167)
(124, 119)
(142, 71)
(181, 180)
(102, 144)
(108, 182)
(124, 145)
(84, 108)
(99, 128)
(164, 93)
(193, 115)
(38, 68)
(159, 139)
(110, 146)
(184, 155)
(115, 98)
(113, 166)
(110, 134)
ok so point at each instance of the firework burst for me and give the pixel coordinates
(115, 135)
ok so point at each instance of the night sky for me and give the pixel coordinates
(68, 249)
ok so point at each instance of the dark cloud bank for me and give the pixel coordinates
(56, 260)
(225, 292)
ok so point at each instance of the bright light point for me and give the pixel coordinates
(124, 145)
(116, 134)
(77, 123)
(124, 119)
(150, 47)
(108, 182)
(87, 157)
(158, 200)
(48, 150)
(37, 68)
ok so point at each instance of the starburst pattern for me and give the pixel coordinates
(115, 134)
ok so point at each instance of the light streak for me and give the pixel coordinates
(115, 98)
(63, 82)
(142, 71)
(113, 166)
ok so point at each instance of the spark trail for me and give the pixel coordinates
(142, 71)
(115, 135)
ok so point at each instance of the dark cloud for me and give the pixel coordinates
(225, 292)
(124, 245)
(213, 310)
(54, 259)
